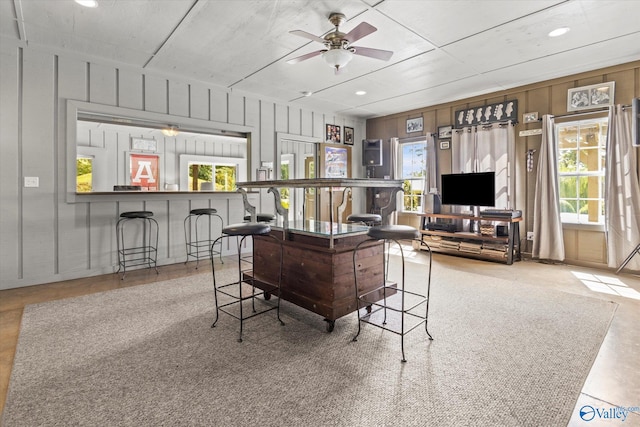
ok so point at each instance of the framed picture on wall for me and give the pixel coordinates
(144, 144)
(414, 125)
(145, 171)
(590, 97)
(333, 134)
(348, 135)
(444, 131)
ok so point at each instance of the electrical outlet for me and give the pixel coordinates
(529, 235)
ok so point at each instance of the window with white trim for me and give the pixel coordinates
(413, 170)
(581, 170)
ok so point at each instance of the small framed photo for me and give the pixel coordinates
(414, 125)
(590, 97)
(530, 117)
(348, 135)
(445, 131)
(444, 145)
(333, 134)
(144, 144)
(262, 174)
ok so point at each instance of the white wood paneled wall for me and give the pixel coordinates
(45, 239)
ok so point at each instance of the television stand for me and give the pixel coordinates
(485, 243)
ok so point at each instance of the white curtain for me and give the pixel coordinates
(547, 226)
(431, 179)
(622, 191)
(396, 174)
(489, 148)
(495, 152)
(463, 151)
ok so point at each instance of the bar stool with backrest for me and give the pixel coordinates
(137, 245)
(369, 219)
(391, 306)
(231, 294)
(199, 234)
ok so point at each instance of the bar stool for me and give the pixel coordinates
(369, 219)
(391, 306)
(247, 277)
(261, 217)
(199, 246)
(144, 243)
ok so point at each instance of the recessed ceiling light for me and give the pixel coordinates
(361, 92)
(559, 32)
(88, 3)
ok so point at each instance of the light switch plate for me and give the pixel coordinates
(31, 181)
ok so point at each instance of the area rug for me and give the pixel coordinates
(503, 354)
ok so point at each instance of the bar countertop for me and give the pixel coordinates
(322, 183)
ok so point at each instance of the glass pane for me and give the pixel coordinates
(84, 174)
(567, 137)
(589, 136)
(590, 160)
(568, 187)
(225, 178)
(569, 206)
(567, 161)
(199, 173)
(414, 160)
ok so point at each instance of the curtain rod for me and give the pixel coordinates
(603, 110)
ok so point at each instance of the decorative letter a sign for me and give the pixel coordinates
(145, 171)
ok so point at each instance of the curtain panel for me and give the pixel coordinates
(548, 243)
(489, 148)
(622, 191)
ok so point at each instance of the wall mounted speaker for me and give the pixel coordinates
(371, 152)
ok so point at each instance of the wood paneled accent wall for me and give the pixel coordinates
(45, 239)
(583, 246)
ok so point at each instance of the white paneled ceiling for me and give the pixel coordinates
(444, 50)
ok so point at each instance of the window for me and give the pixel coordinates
(413, 161)
(84, 174)
(200, 173)
(581, 167)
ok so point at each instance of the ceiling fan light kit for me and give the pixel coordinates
(337, 58)
(338, 50)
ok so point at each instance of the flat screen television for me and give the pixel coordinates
(469, 189)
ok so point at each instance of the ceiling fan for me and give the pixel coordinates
(338, 49)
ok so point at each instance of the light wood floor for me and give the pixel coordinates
(13, 301)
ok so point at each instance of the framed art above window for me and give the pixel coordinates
(590, 97)
(414, 125)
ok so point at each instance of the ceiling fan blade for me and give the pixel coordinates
(384, 55)
(307, 36)
(304, 57)
(363, 29)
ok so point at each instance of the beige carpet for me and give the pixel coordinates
(504, 354)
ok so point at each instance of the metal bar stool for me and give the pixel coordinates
(144, 241)
(369, 219)
(261, 217)
(243, 288)
(391, 306)
(199, 240)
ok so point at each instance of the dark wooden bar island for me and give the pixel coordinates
(315, 276)
(318, 255)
